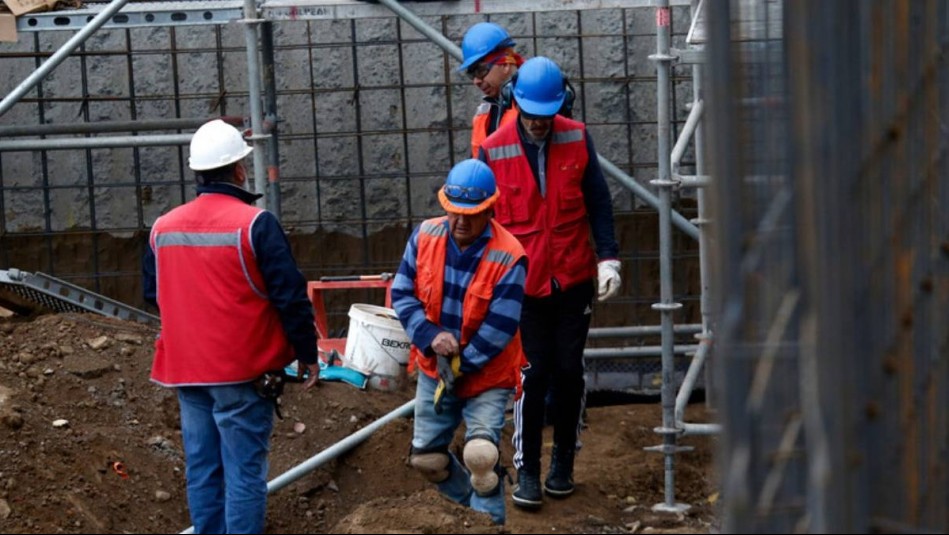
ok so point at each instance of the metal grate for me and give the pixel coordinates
(57, 295)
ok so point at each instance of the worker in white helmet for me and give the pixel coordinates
(234, 312)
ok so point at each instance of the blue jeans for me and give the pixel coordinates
(484, 418)
(226, 433)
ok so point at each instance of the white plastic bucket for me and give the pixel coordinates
(377, 346)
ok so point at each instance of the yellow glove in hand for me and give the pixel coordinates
(449, 369)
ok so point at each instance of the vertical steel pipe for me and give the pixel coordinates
(666, 306)
(257, 137)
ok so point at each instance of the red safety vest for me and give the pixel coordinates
(218, 326)
(500, 255)
(554, 229)
(479, 125)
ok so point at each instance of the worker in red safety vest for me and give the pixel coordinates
(234, 313)
(553, 196)
(458, 294)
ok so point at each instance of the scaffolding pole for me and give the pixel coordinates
(100, 127)
(666, 306)
(107, 142)
(693, 131)
(702, 221)
(258, 138)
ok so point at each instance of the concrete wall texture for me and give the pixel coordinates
(372, 115)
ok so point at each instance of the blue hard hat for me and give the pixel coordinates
(482, 39)
(539, 88)
(469, 188)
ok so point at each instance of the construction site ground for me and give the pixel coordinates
(75, 399)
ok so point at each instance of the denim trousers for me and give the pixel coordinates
(484, 418)
(226, 433)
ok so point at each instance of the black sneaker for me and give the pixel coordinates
(527, 494)
(559, 482)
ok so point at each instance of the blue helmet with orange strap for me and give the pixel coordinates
(469, 188)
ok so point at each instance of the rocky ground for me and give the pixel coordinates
(89, 445)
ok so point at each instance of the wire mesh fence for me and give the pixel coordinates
(829, 156)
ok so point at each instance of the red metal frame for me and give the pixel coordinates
(315, 289)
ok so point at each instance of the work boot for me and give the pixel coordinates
(559, 482)
(527, 493)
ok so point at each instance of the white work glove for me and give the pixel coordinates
(608, 279)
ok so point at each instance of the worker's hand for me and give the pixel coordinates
(608, 279)
(445, 343)
(449, 369)
(313, 374)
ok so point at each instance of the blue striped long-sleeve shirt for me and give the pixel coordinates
(504, 310)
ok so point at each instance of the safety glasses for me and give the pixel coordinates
(462, 193)
(479, 70)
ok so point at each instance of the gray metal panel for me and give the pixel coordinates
(137, 15)
(185, 13)
(348, 9)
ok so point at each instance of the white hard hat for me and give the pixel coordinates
(217, 144)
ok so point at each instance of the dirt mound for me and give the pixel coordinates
(427, 511)
(89, 445)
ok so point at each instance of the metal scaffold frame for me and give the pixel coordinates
(669, 178)
(256, 17)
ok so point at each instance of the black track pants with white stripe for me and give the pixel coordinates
(554, 332)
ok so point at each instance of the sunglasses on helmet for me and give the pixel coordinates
(465, 193)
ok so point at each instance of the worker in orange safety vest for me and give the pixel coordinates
(458, 294)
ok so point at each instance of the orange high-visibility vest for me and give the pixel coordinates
(554, 229)
(218, 327)
(500, 255)
(479, 125)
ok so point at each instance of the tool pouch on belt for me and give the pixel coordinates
(270, 386)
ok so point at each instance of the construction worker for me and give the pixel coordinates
(552, 195)
(490, 61)
(458, 295)
(234, 313)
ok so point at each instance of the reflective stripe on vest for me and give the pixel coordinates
(210, 239)
(218, 327)
(506, 151)
(569, 136)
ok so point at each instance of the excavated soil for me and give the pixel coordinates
(75, 400)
